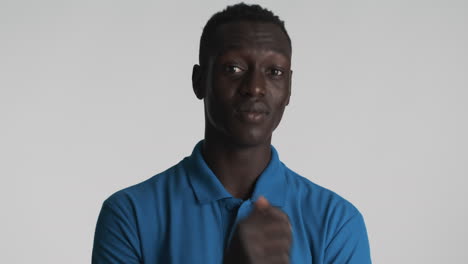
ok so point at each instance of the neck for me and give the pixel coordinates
(236, 166)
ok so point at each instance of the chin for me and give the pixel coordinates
(251, 139)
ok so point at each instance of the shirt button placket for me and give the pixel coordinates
(242, 213)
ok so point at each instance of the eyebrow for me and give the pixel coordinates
(233, 47)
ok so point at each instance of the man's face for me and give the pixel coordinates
(247, 85)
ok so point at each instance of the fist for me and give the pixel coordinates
(263, 237)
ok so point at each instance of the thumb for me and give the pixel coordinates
(262, 203)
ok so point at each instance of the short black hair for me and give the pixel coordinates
(236, 13)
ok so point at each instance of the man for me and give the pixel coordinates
(232, 200)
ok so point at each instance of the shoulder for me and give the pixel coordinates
(320, 201)
(329, 219)
(126, 216)
(146, 193)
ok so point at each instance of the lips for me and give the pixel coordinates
(252, 112)
(253, 107)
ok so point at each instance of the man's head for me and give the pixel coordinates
(244, 74)
(236, 13)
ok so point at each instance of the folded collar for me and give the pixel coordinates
(207, 188)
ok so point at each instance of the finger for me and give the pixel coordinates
(276, 248)
(275, 232)
(278, 253)
(278, 259)
(262, 203)
(276, 214)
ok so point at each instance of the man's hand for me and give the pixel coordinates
(263, 237)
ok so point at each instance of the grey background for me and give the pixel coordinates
(378, 114)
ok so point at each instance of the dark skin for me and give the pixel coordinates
(246, 85)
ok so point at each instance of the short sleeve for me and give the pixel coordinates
(350, 245)
(116, 238)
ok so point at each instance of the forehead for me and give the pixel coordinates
(251, 35)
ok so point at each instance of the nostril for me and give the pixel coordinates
(253, 90)
(254, 84)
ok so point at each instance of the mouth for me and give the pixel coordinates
(252, 117)
(253, 107)
(253, 112)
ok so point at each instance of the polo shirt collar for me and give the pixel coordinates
(207, 188)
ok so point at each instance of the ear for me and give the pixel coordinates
(197, 81)
(289, 86)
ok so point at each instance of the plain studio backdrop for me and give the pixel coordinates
(96, 96)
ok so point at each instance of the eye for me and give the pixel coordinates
(233, 69)
(276, 72)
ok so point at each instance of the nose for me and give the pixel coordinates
(254, 84)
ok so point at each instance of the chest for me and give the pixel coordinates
(200, 234)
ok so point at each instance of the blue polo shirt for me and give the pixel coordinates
(185, 215)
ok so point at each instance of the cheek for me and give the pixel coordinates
(279, 105)
(278, 116)
(225, 88)
(222, 97)
(281, 97)
(217, 105)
